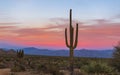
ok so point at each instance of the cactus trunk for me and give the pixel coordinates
(71, 61)
(73, 43)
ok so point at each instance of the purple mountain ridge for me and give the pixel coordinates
(49, 52)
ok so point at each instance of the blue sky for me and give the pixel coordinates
(83, 9)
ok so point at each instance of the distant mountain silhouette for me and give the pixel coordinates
(10, 51)
(77, 53)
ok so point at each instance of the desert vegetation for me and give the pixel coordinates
(50, 65)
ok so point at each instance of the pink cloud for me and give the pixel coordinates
(101, 35)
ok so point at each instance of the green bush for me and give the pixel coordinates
(97, 67)
(7, 59)
(41, 67)
(48, 68)
(81, 63)
(116, 57)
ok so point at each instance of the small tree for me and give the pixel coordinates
(116, 57)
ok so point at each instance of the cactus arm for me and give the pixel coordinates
(76, 37)
(66, 40)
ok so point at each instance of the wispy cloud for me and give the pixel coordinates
(9, 23)
(103, 34)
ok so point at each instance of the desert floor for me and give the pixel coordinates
(5, 71)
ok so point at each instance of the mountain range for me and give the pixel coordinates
(48, 52)
(77, 53)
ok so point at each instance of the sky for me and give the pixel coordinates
(41, 23)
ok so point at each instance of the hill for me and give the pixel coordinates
(4, 51)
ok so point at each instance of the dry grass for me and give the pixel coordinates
(5, 71)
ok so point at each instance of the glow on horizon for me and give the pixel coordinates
(41, 23)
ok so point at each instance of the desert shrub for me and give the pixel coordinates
(18, 68)
(52, 69)
(81, 63)
(2, 66)
(7, 59)
(78, 72)
(97, 67)
(116, 57)
(12, 73)
(48, 68)
(34, 65)
(41, 67)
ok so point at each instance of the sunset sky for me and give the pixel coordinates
(41, 23)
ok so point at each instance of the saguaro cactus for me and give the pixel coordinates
(20, 53)
(73, 43)
(19, 59)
